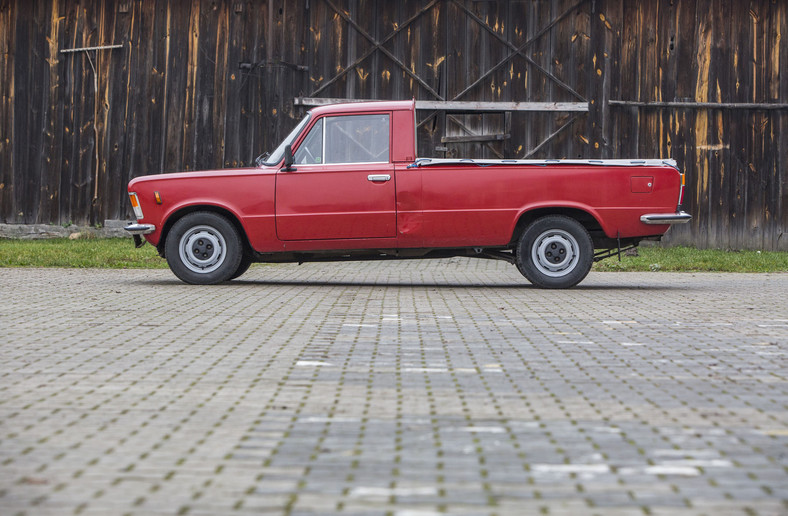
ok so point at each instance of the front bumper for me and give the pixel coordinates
(680, 217)
(139, 229)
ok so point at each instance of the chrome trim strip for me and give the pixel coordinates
(378, 178)
(681, 217)
(425, 162)
(140, 229)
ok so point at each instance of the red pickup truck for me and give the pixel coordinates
(346, 184)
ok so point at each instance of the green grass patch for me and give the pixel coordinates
(83, 253)
(120, 253)
(689, 259)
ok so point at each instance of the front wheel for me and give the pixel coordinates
(203, 248)
(555, 252)
(246, 262)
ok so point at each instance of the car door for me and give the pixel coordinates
(342, 185)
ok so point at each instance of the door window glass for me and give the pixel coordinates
(310, 151)
(357, 139)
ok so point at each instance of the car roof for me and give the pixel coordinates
(354, 107)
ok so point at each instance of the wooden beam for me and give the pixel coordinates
(701, 105)
(496, 137)
(85, 49)
(456, 105)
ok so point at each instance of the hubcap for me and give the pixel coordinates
(202, 249)
(555, 253)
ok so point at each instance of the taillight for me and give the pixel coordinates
(681, 192)
(135, 204)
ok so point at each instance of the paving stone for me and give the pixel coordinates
(410, 388)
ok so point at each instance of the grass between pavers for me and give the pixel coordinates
(120, 253)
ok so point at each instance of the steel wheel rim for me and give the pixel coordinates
(202, 249)
(555, 253)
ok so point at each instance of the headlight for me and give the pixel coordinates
(135, 204)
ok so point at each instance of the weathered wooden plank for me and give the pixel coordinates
(209, 89)
(120, 25)
(295, 34)
(126, 121)
(759, 129)
(680, 73)
(779, 240)
(188, 125)
(180, 52)
(50, 159)
(69, 120)
(108, 157)
(493, 51)
(540, 86)
(564, 60)
(165, 65)
(23, 139)
(232, 107)
(259, 106)
(702, 68)
(601, 33)
(8, 14)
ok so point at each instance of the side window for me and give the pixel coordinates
(310, 151)
(357, 139)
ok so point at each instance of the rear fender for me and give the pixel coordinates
(586, 215)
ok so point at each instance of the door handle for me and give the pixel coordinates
(378, 178)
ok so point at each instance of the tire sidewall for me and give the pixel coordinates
(243, 266)
(585, 250)
(233, 248)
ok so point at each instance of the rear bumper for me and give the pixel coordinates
(680, 217)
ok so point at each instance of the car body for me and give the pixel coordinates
(346, 184)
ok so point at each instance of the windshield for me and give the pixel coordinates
(279, 153)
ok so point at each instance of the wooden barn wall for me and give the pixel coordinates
(207, 84)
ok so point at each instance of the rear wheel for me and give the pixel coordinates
(203, 248)
(555, 252)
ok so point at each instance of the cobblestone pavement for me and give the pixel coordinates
(408, 388)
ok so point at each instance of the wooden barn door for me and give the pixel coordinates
(457, 52)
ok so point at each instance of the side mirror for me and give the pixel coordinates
(288, 159)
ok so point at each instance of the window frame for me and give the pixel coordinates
(324, 120)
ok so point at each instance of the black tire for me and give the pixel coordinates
(203, 248)
(246, 262)
(555, 252)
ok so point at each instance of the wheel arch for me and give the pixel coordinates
(179, 213)
(585, 217)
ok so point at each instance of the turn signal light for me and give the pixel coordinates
(157, 197)
(135, 204)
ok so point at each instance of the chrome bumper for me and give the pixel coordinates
(680, 217)
(140, 229)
